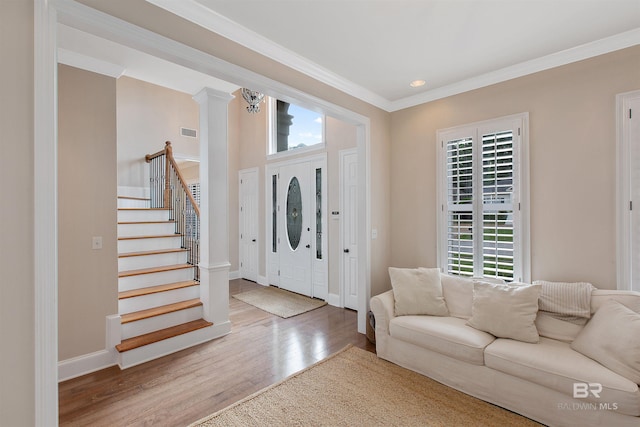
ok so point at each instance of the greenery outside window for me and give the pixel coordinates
(483, 199)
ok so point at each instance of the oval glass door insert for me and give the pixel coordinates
(294, 213)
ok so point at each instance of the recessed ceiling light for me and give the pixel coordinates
(417, 83)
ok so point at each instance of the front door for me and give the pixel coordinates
(295, 221)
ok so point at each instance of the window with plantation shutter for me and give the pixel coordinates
(483, 199)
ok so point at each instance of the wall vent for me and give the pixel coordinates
(189, 133)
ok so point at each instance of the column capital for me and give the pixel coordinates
(207, 93)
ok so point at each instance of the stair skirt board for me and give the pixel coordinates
(155, 279)
(155, 323)
(158, 349)
(142, 214)
(144, 302)
(127, 229)
(152, 260)
(148, 243)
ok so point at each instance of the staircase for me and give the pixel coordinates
(158, 299)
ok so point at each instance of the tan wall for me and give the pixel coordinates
(17, 393)
(572, 161)
(149, 115)
(87, 278)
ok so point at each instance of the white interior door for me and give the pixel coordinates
(249, 224)
(349, 232)
(295, 220)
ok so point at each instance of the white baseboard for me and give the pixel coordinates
(85, 364)
(234, 275)
(334, 300)
(262, 280)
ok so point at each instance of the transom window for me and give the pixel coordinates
(483, 199)
(294, 128)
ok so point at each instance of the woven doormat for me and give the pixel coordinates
(279, 302)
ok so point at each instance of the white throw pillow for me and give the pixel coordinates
(506, 311)
(417, 291)
(612, 338)
(458, 295)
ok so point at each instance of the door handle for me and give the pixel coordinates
(346, 251)
(308, 246)
(253, 240)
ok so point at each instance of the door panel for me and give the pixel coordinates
(296, 214)
(249, 225)
(349, 276)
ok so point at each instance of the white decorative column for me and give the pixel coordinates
(214, 208)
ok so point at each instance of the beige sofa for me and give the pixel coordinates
(536, 380)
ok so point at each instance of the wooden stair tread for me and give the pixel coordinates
(128, 273)
(158, 311)
(163, 334)
(156, 289)
(154, 236)
(147, 222)
(134, 198)
(154, 252)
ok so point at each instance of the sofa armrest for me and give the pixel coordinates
(383, 309)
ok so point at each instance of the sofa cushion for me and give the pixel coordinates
(417, 291)
(552, 327)
(612, 337)
(458, 294)
(555, 365)
(506, 311)
(446, 335)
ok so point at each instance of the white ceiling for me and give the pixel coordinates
(373, 49)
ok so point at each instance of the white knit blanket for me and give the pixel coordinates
(570, 302)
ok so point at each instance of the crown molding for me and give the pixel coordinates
(568, 56)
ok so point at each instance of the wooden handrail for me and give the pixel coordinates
(196, 208)
(168, 152)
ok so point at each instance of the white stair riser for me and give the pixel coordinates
(156, 243)
(146, 229)
(154, 279)
(149, 352)
(143, 215)
(132, 203)
(148, 261)
(143, 302)
(152, 324)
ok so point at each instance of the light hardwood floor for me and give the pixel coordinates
(181, 388)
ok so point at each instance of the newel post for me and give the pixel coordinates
(214, 207)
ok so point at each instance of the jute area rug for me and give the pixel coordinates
(355, 388)
(279, 302)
